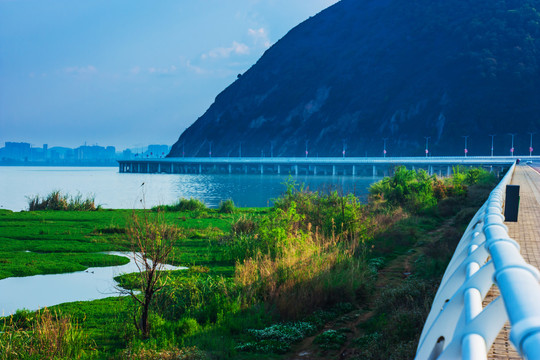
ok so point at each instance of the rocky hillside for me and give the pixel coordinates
(364, 70)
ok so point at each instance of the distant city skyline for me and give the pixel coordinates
(23, 153)
(127, 75)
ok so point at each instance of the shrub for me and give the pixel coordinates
(58, 201)
(227, 207)
(183, 205)
(201, 296)
(331, 339)
(278, 338)
(244, 226)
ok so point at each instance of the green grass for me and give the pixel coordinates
(46, 242)
(261, 280)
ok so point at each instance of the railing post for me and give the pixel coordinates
(471, 335)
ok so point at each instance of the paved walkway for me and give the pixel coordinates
(527, 233)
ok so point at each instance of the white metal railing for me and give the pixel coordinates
(458, 327)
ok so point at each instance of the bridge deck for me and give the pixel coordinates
(527, 233)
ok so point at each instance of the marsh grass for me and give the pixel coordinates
(181, 205)
(227, 207)
(58, 201)
(43, 335)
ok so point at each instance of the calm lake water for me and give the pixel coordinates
(112, 189)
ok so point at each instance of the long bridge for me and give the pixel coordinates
(355, 166)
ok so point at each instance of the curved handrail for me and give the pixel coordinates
(458, 327)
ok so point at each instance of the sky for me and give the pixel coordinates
(127, 73)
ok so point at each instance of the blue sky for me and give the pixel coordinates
(127, 73)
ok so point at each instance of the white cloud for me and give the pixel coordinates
(135, 70)
(223, 52)
(168, 70)
(81, 70)
(260, 37)
(196, 69)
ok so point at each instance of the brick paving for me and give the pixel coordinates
(526, 231)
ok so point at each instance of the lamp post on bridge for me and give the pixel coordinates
(530, 145)
(512, 148)
(465, 150)
(271, 149)
(427, 144)
(210, 149)
(240, 149)
(344, 148)
(384, 147)
(492, 136)
(307, 148)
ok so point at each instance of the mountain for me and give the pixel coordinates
(364, 70)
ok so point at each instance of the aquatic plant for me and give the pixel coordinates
(58, 201)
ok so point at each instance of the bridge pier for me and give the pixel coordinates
(200, 168)
(262, 169)
(354, 170)
(296, 169)
(374, 171)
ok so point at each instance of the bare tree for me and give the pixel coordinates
(152, 243)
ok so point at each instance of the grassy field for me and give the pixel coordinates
(52, 242)
(317, 273)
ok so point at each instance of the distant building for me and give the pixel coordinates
(17, 151)
(95, 152)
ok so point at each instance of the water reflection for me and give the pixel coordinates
(35, 292)
(124, 191)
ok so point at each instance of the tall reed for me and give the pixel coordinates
(43, 335)
(58, 201)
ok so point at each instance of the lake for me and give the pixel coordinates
(114, 190)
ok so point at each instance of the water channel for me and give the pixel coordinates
(39, 291)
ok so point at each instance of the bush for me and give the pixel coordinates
(202, 297)
(244, 226)
(183, 205)
(278, 338)
(58, 201)
(331, 339)
(227, 207)
(420, 193)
